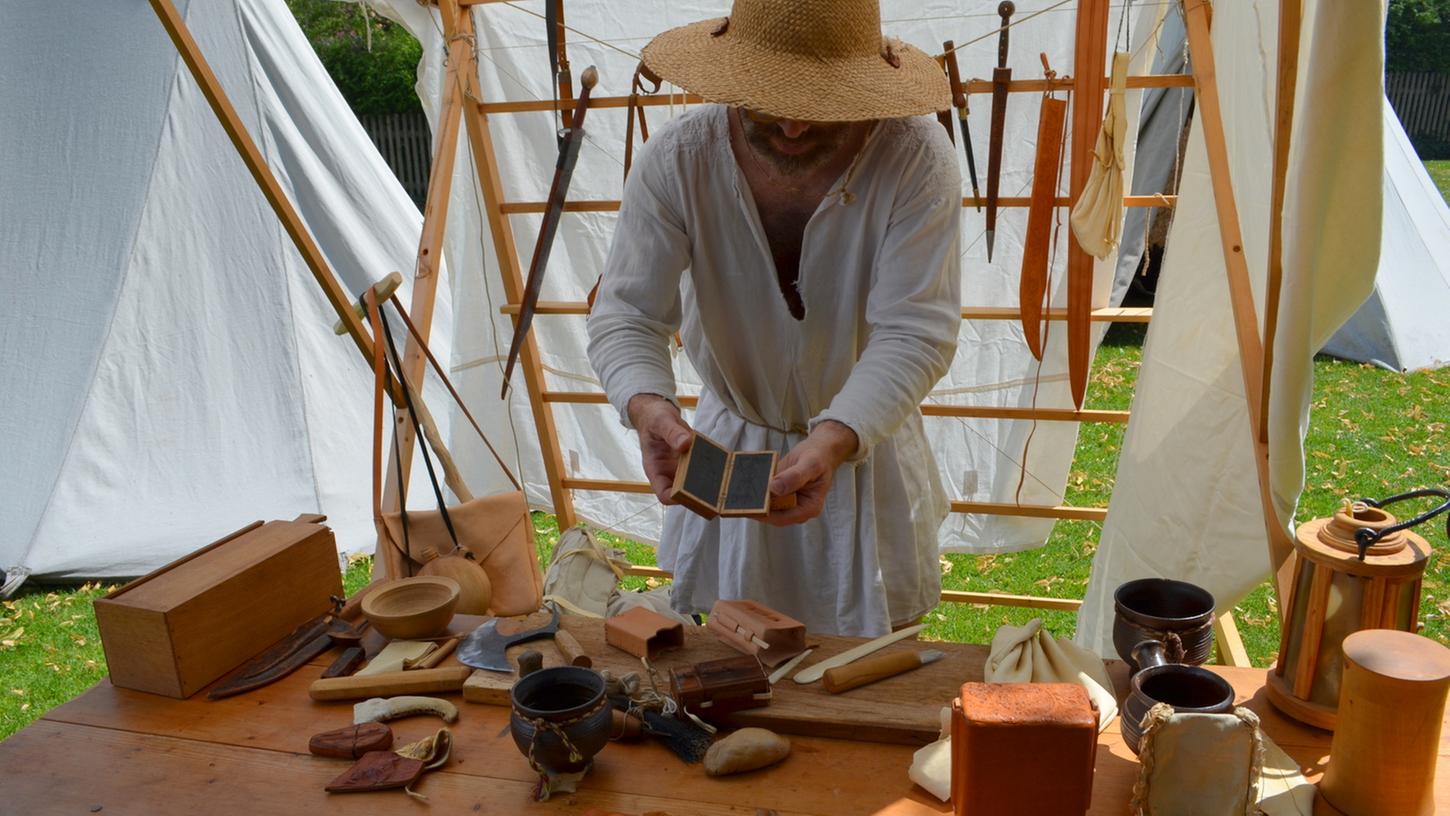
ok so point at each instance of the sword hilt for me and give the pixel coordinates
(1005, 10)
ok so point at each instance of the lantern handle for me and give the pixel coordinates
(1366, 537)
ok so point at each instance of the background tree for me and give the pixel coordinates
(373, 60)
(1417, 36)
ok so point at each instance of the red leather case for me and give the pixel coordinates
(1023, 748)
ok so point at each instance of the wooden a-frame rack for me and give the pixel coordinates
(464, 108)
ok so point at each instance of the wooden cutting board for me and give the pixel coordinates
(903, 709)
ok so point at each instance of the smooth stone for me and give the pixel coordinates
(748, 749)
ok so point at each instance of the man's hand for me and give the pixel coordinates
(807, 471)
(663, 439)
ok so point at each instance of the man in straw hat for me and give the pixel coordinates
(816, 212)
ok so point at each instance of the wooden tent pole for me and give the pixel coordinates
(301, 237)
(256, 164)
(485, 161)
(427, 264)
(1089, 61)
(1241, 295)
(1290, 21)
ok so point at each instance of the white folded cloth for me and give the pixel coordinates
(1029, 654)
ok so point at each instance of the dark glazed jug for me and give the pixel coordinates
(1189, 689)
(1152, 608)
(560, 716)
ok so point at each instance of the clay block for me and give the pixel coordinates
(643, 633)
(1023, 748)
(739, 623)
(714, 481)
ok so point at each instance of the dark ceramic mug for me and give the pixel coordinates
(1152, 608)
(550, 704)
(1188, 689)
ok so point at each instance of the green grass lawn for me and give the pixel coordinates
(1440, 172)
(1373, 433)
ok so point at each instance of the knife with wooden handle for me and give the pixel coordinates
(814, 672)
(390, 684)
(880, 667)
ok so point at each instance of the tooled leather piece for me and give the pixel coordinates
(351, 742)
(1005, 735)
(377, 770)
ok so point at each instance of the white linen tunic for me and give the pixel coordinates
(879, 277)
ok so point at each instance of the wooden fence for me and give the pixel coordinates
(407, 147)
(1422, 101)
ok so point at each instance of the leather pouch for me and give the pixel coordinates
(386, 770)
(377, 770)
(352, 742)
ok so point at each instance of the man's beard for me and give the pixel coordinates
(821, 142)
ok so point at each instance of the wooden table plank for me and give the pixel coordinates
(135, 752)
(80, 769)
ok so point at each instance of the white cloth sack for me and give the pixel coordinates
(1283, 790)
(1198, 764)
(655, 600)
(1097, 219)
(931, 765)
(1030, 654)
(584, 575)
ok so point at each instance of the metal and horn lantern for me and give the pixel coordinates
(1360, 569)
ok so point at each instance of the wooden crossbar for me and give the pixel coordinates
(975, 86)
(927, 409)
(1112, 314)
(612, 205)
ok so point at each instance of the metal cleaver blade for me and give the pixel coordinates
(487, 648)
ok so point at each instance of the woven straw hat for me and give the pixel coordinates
(813, 60)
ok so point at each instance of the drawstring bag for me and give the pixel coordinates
(494, 532)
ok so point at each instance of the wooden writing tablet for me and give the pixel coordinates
(747, 488)
(714, 481)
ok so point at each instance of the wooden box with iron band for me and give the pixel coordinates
(716, 688)
(713, 480)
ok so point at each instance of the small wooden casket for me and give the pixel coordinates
(178, 629)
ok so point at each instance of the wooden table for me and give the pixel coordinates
(114, 751)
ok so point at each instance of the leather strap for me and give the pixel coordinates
(418, 432)
(447, 383)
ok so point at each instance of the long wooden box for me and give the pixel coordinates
(181, 627)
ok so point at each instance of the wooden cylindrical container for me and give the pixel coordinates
(1384, 752)
(1334, 595)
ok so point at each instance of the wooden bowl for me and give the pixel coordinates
(417, 607)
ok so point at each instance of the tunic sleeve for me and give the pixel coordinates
(638, 308)
(913, 310)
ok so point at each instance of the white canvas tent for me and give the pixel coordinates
(169, 364)
(1186, 503)
(1405, 323)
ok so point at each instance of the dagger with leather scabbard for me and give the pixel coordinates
(1001, 76)
(959, 100)
(553, 209)
(1036, 246)
(558, 61)
(944, 117)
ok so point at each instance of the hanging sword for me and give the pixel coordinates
(959, 100)
(1001, 76)
(558, 60)
(563, 171)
